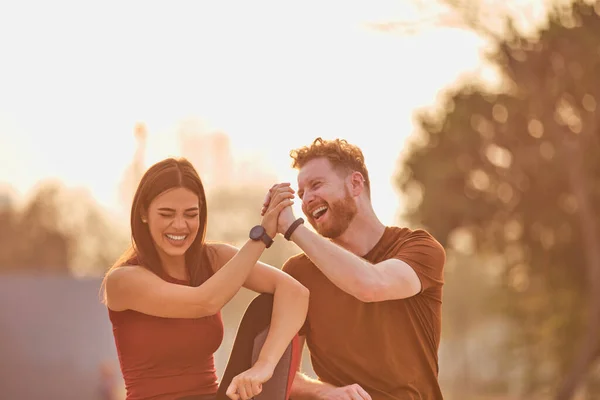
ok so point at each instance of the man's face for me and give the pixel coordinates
(326, 198)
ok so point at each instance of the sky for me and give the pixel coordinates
(75, 77)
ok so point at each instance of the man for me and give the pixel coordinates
(374, 320)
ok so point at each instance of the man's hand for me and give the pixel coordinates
(269, 195)
(281, 199)
(249, 383)
(286, 216)
(350, 392)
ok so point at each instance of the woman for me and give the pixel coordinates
(164, 295)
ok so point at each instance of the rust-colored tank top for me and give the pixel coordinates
(166, 358)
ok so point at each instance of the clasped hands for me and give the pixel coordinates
(281, 192)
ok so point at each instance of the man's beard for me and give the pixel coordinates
(341, 213)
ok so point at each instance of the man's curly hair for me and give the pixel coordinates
(342, 155)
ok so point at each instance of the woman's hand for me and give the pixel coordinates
(277, 203)
(249, 383)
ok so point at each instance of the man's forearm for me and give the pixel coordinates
(346, 270)
(306, 388)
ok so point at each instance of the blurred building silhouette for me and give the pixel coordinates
(209, 152)
(212, 155)
(5, 201)
(252, 170)
(136, 168)
(7, 197)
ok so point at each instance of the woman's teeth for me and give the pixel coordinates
(176, 237)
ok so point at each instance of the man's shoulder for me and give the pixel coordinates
(401, 239)
(416, 243)
(295, 262)
(297, 259)
(403, 234)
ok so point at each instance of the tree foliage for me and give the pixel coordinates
(517, 173)
(58, 230)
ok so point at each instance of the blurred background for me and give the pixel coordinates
(478, 120)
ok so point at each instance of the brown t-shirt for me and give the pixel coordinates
(389, 348)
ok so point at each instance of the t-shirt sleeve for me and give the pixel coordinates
(426, 256)
(289, 267)
(292, 268)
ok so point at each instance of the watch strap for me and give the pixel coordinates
(267, 240)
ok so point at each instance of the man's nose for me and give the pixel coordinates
(307, 199)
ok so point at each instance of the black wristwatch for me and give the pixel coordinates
(258, 233)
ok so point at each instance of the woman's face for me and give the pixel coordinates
(173, 220)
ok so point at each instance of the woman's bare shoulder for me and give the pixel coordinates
(219, 253)
(126, 272)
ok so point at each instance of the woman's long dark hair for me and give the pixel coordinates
(165, 175)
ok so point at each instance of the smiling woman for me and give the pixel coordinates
(165, 294)
(173, 221)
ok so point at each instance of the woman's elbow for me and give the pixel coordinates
(300, 296)
(302, 291)
(295, 290)
(304, 295)
(207, 307)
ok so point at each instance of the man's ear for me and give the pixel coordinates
(357, 182)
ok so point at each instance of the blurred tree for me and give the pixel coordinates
(8, 223)
(518, 173)
(41, 244)
(59, 230)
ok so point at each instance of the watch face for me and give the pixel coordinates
(257, 232)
